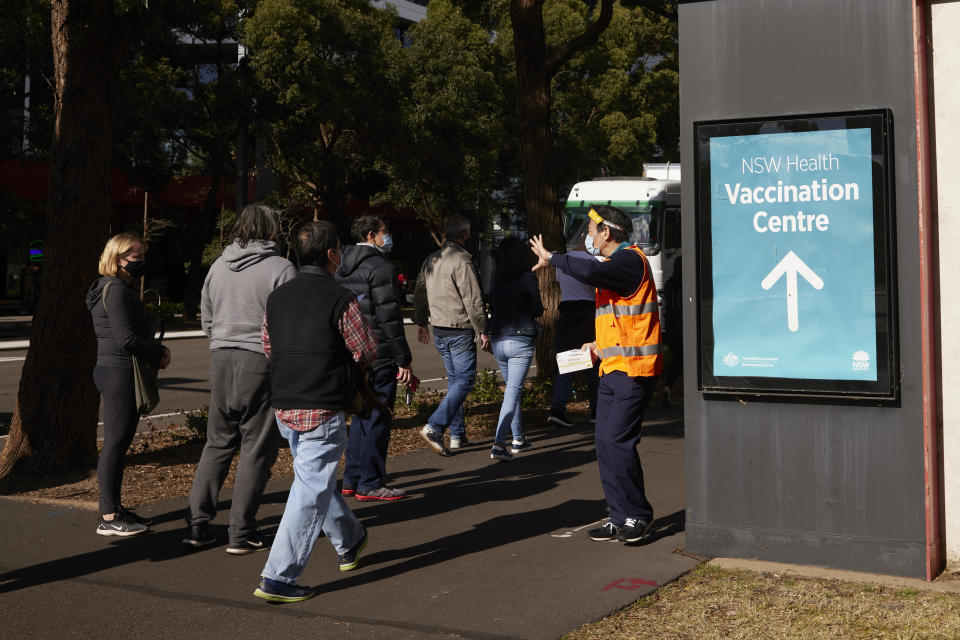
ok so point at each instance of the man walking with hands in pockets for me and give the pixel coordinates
(627, 323)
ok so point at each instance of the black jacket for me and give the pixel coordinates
(121, 323)
(370, 276)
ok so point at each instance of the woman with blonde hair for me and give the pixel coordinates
(123, 330)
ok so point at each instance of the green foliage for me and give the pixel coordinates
(221, 241)
(425, 403)
(26, 50)
(453, 142)
(197, 423)
(616, 104)
(537, 394)
(486, 389)
(326, 91)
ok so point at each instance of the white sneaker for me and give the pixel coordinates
(520, 445)
(458, 443)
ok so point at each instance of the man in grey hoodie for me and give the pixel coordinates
(232, 306)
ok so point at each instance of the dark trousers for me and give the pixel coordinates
(365, 467)
(575, 327)
(621, 401)
(240, 417)
(120, 420)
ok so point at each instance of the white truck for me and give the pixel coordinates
(652, 201)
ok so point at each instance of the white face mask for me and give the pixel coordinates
(387, 245)
(591, 249)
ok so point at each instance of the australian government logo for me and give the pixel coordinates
(731, 359)
(861, 361)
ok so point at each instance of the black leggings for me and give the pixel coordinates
(120, 420)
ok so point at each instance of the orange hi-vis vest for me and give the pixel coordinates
(628, 329)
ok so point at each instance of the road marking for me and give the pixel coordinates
(569, 534)
(161, 415)
(632, 584)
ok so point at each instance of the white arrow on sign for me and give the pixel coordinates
(791, 265)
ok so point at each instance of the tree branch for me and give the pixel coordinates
(589, 36)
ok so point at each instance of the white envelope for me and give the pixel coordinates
(574, 360)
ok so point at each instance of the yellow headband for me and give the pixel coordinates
(596, 218)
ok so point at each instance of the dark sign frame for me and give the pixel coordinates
(886, 389)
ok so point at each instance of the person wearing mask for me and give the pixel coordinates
(366, 271)
(574, 329)
(315, 337)
(233, 299)
(448, 295)
(123, 329)
(628, 344)
(514, 304)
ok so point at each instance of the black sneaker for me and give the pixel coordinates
(435, 440)
(121, 525)
(559, 419)
(275, 591)
(500, 453)
(198, 536)
(606, 533)
(665, 398)
(351, 559)
(134, 517)
(256, 542)
(634, 529)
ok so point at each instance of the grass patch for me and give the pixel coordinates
(713, 603)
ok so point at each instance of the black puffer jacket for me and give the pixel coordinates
(368, 274)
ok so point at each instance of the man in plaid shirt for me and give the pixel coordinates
(315, 337)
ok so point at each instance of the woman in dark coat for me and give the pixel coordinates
(123, 330)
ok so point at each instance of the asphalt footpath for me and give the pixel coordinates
(481, 549)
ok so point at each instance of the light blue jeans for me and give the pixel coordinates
(459, 354)
(513, 355)
(314, 504)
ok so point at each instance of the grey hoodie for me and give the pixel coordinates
(235, 293)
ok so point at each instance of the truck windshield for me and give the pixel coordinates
(647, 223)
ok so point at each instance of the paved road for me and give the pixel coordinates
(185, 385)
(481, 550)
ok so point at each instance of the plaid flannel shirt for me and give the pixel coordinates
(361, 343)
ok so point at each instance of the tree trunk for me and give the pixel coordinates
(535, 70)
(201, 231)
(55, 420)
(536, 162)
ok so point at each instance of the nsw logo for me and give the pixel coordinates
(731, 359)
(861, 361)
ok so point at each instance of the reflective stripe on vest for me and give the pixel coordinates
(628, 309)
(628, 328)
(630, 352)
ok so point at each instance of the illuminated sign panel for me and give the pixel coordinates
(795, 256)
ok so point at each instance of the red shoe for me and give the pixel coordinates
(383, 493)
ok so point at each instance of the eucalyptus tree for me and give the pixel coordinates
(448, 153)
(327, 97)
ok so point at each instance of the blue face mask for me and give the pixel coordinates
(588, 245)
(387, 245)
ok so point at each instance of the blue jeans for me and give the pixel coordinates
(365, 466)
(513, 355)
(314, 504)
(459, 355)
